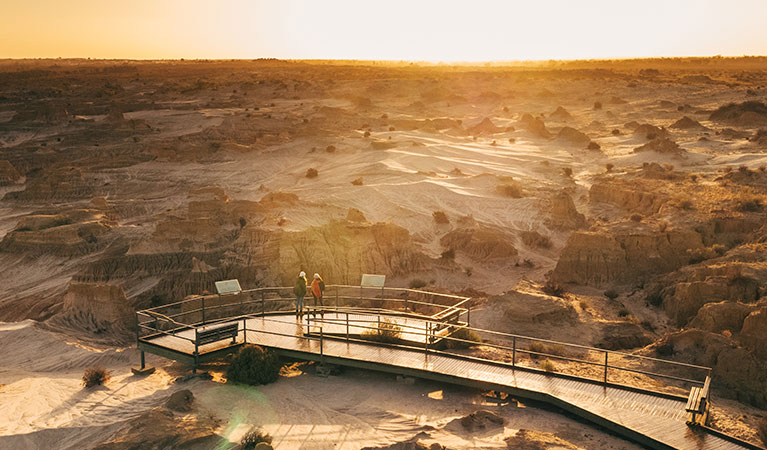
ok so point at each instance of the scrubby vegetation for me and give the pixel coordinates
(416, 283)
(253, 438)
(254, 365)
(509, 190)
(534, 239)
(97, 376)
(440, 217)
(387, 332)
(547, 349)
(553, 288)
(465, 335)
(311, 173)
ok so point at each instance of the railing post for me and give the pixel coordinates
(426, 337)
(468, 316)
(196, 355)
(336, 299)
(263, 304)
(605, 380)
(244, 330)
(203, 310)
(143, 364)
(514, 351)
(347, 326)
(322, 351)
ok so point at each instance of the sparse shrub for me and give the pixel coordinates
(254, 365)
(243, 222)
(253, 438)
(357, 181)
(616, 132)
(597, 105)
(448, 254)
(330, 148)
(535, 239)
(553, 288)
(440, 217)
(593, 146)
(494, 143)
(567, 171)
(96, 376)
(527, 262)
(512, 140)
(464, 334)
(746, 202)
(686, 204)
(509, 190)
(609, 167)
(583, 304)
(547, 349)
(611, 294)
(693, 177)
(416, 283)
(387, 331)
(636, 217)
(367, 134)
(548, 366)
(468, 271)
(665, 349)
(654, 299)
(311, 173)
(623, 312)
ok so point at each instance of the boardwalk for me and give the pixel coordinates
(651, 419)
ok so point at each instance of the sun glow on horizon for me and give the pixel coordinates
(431, 31)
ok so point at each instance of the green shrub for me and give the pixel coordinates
(416, 283)
(97, 376)
(254, 365)
(253, 438)
(388, 332)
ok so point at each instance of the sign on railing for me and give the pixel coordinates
(371, 280)
(228, 287)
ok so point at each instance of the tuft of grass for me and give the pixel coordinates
(311, 173)
(96, 376)
(548, 366)
(387, 332)
(253, 438)
(416, 283)
(547, 349)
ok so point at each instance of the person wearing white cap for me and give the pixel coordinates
(318, 288)
(299, 289)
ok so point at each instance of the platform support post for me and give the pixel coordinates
(513, 351)
(143, 360)
(244, 330)
(468, 316)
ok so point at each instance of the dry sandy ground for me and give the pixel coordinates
(45, 406)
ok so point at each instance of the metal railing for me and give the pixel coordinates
(457, 340)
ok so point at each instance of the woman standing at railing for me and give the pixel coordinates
(299, 289)
(318, 288)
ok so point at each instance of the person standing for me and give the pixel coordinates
(318, 288)
(299, 289)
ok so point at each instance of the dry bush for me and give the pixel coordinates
(611, 294)
(593, 146)
(553, 288)
(747, 202)
(387, 332)
(448, 254)
(686, 205)
(254, 365)
(416, 283)
(535, 239)
(96, 376)
(567, 171)
(509, 190)
(597, 105)
(548, 366)
(367, 134)
(636, 217)
(311, 173)
(440, 217)
(330, 148)
(624, 312)
(463, 334)
(253, 438)
(357, 181)
(609, 167)
(547, 349)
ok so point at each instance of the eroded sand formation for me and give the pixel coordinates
(127, 185)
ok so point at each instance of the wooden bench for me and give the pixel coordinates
(698, 403)
(217, 333)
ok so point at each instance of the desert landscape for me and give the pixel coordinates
(619, 204)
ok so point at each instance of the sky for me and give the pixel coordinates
(421, 30)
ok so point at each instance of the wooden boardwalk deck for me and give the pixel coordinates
(654, 420)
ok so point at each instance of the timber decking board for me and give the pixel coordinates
(658, 418)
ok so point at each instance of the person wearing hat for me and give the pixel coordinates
(318, 288)
(299, 289)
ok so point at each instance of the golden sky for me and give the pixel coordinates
(425, 30)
